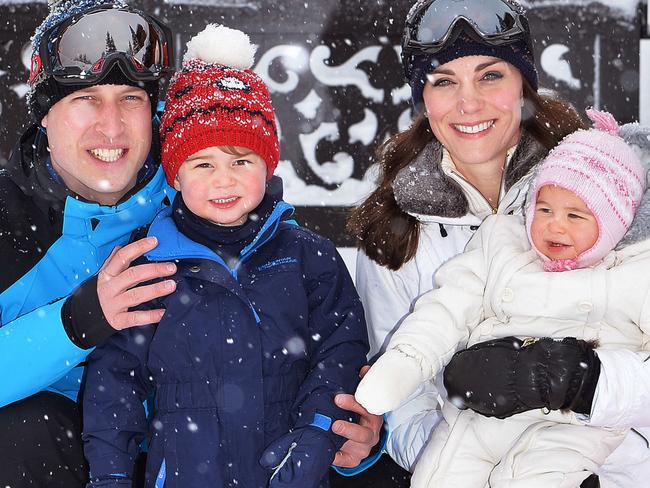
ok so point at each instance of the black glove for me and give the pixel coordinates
(503, 377)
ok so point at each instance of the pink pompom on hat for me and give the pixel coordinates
(605, 172)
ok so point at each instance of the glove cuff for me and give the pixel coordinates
(580, 399)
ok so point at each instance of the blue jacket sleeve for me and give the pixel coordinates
(37, 351)
(114, 417)
(339, 341)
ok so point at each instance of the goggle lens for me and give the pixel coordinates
(80, 50)
(488, 17)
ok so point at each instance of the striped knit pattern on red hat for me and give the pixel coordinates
(605, 172)
(214, 104)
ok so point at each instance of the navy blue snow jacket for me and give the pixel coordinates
(245, 365)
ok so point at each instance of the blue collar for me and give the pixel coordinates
(172, 244)
(81, 218)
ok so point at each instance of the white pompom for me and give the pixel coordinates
(218, 44)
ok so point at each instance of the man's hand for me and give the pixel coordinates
(362, 437)
(117, 285)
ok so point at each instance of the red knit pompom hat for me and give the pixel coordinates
(217, 100)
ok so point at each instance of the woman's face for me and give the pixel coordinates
(474, 108)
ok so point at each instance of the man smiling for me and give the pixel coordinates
(99, 136)
(78, 183)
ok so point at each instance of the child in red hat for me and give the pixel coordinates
(265, 326)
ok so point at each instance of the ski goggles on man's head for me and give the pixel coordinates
(84, 48)
(432, 25)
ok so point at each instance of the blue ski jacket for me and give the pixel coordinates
(51, 242)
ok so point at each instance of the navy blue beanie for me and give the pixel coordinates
(517, 54)
(48, 91)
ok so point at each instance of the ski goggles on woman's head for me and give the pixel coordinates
(432, 25)
(84, 48)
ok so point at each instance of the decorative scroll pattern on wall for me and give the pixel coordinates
(334, 74)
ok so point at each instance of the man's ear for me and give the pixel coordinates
(177, 183)
(44, 122)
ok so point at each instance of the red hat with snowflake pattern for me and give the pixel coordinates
(217, 100)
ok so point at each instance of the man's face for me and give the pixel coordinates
(99, 138)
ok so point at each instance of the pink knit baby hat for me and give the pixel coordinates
(605, 172)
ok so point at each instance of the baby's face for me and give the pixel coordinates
(563, 227)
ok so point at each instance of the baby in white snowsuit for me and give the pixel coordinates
(556, 275)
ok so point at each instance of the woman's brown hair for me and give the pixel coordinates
(390, 236)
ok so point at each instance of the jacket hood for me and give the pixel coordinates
(27, 170)
(422, 187)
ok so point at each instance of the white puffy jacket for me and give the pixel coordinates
(497, 288)
(623, 390)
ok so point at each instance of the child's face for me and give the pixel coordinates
(221, 187)
(563, 227)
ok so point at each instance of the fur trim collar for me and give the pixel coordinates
(638, 137)
(640, 228)
(423, 188)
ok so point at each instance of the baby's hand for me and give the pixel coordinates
(299, 459)
(390, 382)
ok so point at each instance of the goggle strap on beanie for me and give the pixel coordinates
(217, 100)
(44, 95)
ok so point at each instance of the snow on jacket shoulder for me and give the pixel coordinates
(241, 356)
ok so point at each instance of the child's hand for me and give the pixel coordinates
(390, 382)
(299, 459)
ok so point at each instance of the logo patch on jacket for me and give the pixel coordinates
(276, 262)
